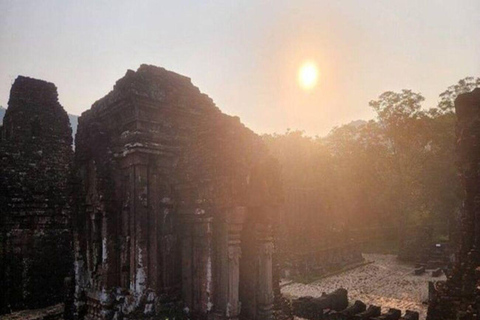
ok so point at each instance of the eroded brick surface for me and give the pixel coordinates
(459, 296)
(175, 206)
(35, 163)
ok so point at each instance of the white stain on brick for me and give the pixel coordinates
(104, 250)
(140, 279)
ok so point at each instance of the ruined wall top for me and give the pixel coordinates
(459, 294)
(35, 212)
(467, 105)
(155, 83)
(156, 112)
(467, 108)
(35, 113)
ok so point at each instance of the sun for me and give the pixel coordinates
(308, 75)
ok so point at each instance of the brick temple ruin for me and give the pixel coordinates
(169, 209)
(166, 208)
(35, 167)
(176, 206)
(459, 296)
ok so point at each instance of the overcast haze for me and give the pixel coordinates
(245, 54)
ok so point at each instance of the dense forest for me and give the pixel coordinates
(384, 177)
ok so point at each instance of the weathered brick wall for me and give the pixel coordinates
(168, 186)
(35, 162)
(459, 297)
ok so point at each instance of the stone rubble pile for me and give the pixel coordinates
(335, 306)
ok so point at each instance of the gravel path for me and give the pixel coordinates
(386, 282)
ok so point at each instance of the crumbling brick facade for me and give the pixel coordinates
(459, 296)
(175, 206)
(35, 163)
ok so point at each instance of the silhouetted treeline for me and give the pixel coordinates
(372, 179)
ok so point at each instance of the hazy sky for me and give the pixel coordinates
(245, 54)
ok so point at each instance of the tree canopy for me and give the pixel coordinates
(395, 171)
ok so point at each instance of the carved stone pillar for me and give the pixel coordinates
(228, 305)
(168, 251)
(197, 263)
(265, 296)
(141, 228)
(136, 222)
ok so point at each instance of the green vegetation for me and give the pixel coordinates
(376, 178)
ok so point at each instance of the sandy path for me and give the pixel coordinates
(386, 283)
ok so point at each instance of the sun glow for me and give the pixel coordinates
(308, 75)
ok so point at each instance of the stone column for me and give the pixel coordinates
(197, 262)
(228, 305)
(186, 222)
(141, 228)
(265, 294)
(168, 248)
(135, 171)
(202, 255)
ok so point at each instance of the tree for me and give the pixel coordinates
(447, 98)
(406, 130)
(393, 172)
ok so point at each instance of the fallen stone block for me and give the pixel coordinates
(304, 307)
(419, 271)
(347, 314)
(357, 307)
(437, 273)
(372, 311)
(392, 314)
(313, 308)
(411, 315)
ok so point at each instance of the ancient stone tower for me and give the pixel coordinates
(176, 206)
(35, 157)
(459, 296)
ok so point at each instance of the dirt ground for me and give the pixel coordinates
(385, 282)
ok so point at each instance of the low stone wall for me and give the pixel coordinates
(323, 261)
